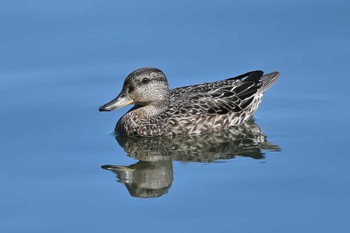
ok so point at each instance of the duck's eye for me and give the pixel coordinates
(145, 80)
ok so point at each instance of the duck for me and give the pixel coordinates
(196, 109)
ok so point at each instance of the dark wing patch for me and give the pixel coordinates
(250, 76)
(246, 89)
(254, 76)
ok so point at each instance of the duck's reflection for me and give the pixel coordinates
(145, 178)
(152, 176)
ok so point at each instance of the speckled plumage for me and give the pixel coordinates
(195, 109)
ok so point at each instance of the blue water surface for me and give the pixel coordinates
(61, 60)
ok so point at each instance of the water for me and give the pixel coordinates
(61, 61)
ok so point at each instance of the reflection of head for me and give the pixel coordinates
(145, 179)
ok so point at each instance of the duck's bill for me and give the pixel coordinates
(119, 102)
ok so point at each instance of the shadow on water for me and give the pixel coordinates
(152, 175)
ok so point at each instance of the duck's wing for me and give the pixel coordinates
(218, 101)
(221, 97)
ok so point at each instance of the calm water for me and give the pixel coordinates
(287, 172)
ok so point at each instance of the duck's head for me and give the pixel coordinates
(145, 86)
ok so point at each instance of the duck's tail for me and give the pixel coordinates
(268, 80)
